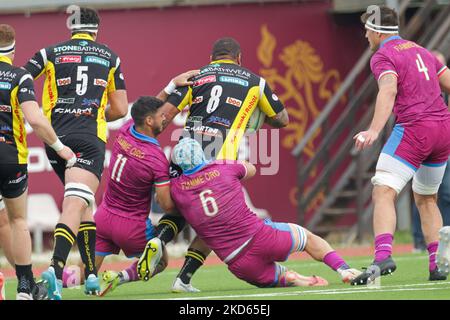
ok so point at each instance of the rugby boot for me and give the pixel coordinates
(376, 269)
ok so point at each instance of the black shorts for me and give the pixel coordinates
(13, 180)
(90, 152)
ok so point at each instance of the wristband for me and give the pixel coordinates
(57, 146)
(170, 87)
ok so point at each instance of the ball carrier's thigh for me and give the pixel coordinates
(82, 180)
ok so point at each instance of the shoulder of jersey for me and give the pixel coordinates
(233, 65)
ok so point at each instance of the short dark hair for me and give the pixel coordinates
(88, 16)
(226, 47)
(388, 16)
(143, 107)
(7, 35)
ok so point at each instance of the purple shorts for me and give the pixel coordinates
(115, 232)
(425, 142)
(274, 242)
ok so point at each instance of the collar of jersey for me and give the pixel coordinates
(142, 137)
(389, 39)
(5, 59)
(223, 61)
(196, 169)
(82, 36)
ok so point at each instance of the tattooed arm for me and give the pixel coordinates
(383, 109)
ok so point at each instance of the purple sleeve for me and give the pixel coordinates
(238, 169)
(440, 67)
(160, 168)
(382, 65)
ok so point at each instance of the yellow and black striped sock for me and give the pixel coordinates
(64, 240)
(86, 245)
(194, 259)
(168, 227)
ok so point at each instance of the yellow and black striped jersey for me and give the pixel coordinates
(16, 87)
(79, 75)
(222, 99)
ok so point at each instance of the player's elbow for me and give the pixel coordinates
(389, 92)
(281, 120)
(167, 204)
(122, 110)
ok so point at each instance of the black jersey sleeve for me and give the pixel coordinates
(26, 89)
(181, 97)
(116, 81)
(36, 65)
(269, 103)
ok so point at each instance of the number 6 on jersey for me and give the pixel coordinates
(208, 200)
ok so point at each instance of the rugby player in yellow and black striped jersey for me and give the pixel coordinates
(222, 99)
(17, 103)
(82, 76)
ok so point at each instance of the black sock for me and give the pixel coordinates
(86, 246)
(64, 240)
(194, 259)
(168, 227)
(25, 278)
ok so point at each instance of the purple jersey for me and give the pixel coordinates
(418, 70)
(137, 164)
(213, 203)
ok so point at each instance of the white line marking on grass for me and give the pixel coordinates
(365, 289)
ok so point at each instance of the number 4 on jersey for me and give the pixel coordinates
(421, 66)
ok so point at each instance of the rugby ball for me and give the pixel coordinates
(256, 121)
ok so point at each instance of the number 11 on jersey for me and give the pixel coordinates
(118, 167)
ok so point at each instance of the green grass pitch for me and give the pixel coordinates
(410, 281)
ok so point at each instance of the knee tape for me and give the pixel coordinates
(299, 236)
(424, 189)
(392, 180)
(81, 191)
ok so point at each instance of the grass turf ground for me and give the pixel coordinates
(409, 282)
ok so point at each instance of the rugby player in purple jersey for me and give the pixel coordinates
(209, 195)
(410, 80)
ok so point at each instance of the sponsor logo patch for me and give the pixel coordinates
(197, 99)
(90, 102)
(18, 180)
(97, 60)
(76, 112)
(68, 59)
(63, 81)
(5, 129)
(234, 80)
(204, 80)
(234, 102)
(32, 61)
(5, 86)
(195, 119)
(66, 100)
(219, 120)
(5, 108)
(100, 82)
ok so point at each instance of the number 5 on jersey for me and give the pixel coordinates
(82, 80)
